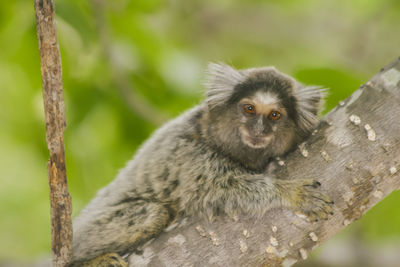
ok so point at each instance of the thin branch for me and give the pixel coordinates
(132, 97)
(60, 199)
(354, 153)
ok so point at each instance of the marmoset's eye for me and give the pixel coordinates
(249, 108)
(274, 115)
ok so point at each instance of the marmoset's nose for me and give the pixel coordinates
(261, 128)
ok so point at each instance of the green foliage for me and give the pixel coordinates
(161, 48)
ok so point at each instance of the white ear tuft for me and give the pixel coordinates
(220, 82)
(310, 100)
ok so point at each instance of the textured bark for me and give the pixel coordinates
(60, 199)
(354, 153)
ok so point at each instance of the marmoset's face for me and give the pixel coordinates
(262, 116)
(257, 114)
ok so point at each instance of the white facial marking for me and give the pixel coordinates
(266, 98)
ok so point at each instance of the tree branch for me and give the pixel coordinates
(60, 199)
(354, 153)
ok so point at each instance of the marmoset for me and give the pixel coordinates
(208, 162)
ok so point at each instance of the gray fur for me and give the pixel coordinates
(307, 107)
(220, 81)
(197, 165)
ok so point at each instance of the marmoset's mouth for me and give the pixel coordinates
(254, 141)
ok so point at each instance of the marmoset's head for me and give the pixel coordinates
(259, 113)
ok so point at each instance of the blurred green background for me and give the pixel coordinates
(156, 49)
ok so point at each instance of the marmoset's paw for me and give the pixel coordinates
(106, 260)
(305, 196)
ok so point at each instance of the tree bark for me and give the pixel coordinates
(60, 199)
(354, 153)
